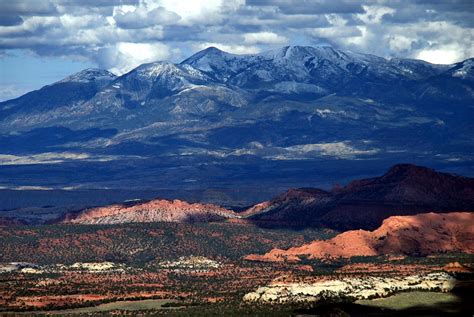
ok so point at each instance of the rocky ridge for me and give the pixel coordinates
(405, 189)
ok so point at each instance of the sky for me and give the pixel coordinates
(42, 41)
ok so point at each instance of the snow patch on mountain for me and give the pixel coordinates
(55, 158)
(342, 149)
(90, 75)
(464, 70)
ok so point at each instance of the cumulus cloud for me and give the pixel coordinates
(230, 48)
(201, 11)
(439, 56)
(142, 18)
(264, 38)
(123, 57)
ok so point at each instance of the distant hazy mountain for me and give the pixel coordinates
(251, 113)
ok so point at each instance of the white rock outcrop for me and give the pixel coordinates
(95, 266)
(350, 288)
(191, 263)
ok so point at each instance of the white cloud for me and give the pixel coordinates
(439, 56)
(264, 38)
(435, 42)
(230, 48)
(374, 14)
(199, 11)
(142, 18)
(400, 42)
(8, 92)
(123, 57)
(336, 32)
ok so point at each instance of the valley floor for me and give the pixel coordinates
(190, 269)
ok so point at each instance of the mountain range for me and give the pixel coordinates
(220, 119)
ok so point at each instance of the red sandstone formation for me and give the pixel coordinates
(421, 234)
(153, 211)
(456, 267)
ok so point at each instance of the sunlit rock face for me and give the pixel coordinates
(422, 234)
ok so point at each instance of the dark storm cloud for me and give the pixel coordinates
(184, 32)
(27, 7)
(448, 5)
(8, 20)
(311, 6)
(457, 12)
(97, 3)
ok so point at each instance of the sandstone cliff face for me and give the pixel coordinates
(421, 234)
(153, 211)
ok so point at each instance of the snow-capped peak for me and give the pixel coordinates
(163, 69)
(220, 64)
(90, 75)
(153, 70)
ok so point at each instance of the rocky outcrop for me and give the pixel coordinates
(456, 267)
(94, 266)
(153, 211)
(422, 234)
(193, 263)
(363, 204)
(350, 289)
